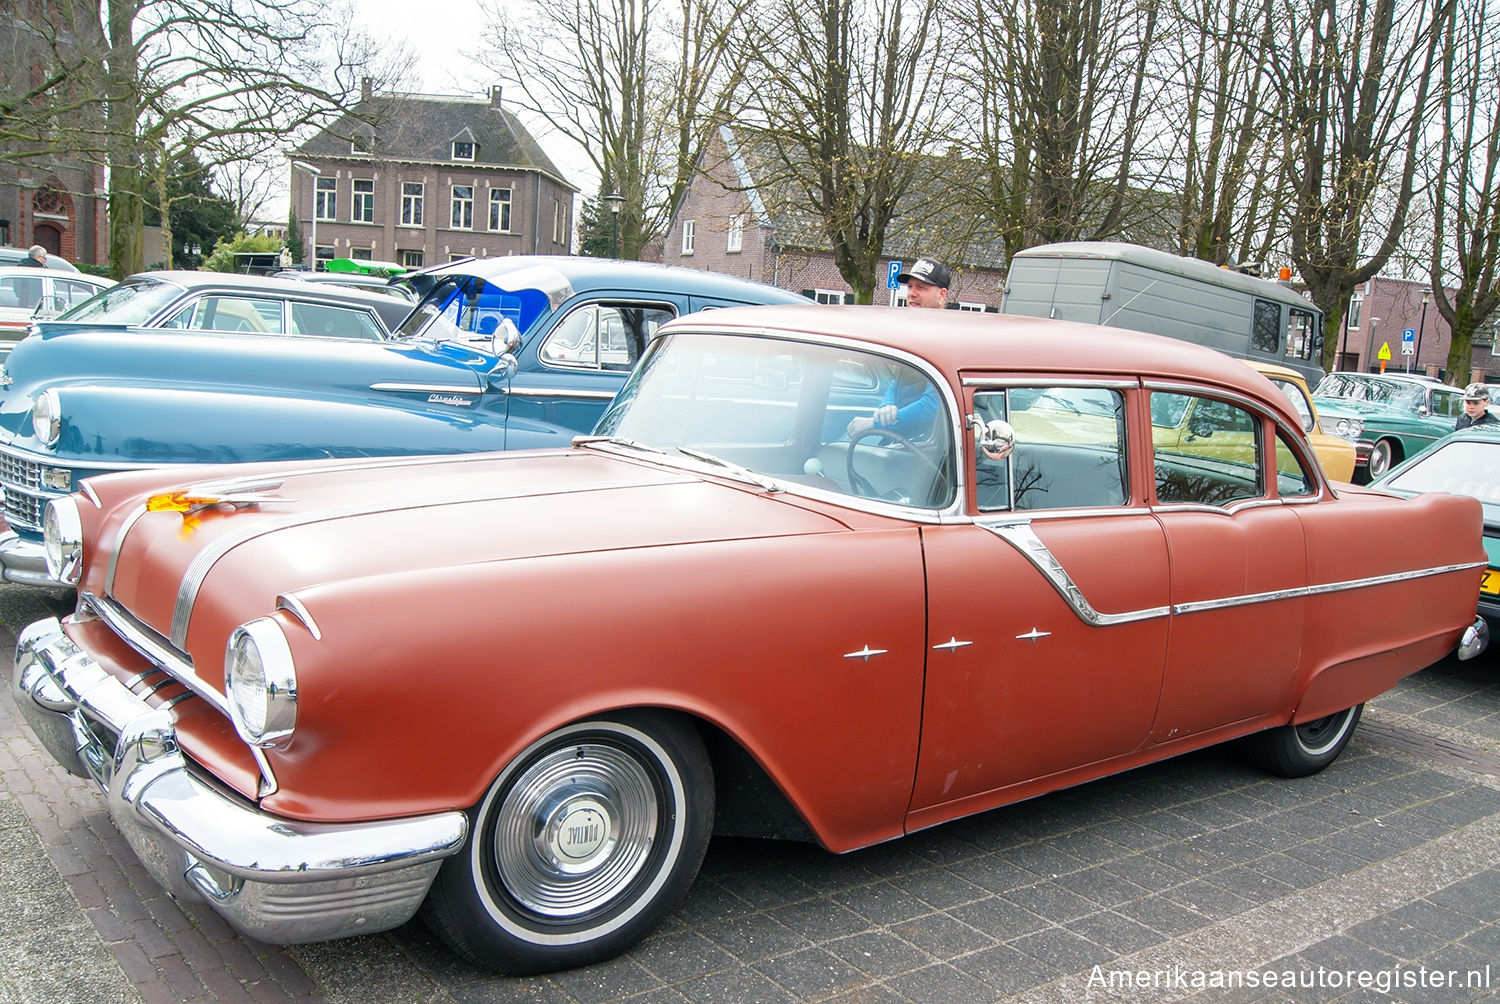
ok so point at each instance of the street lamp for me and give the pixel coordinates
(615, 201)
(304, 166)
(1373, 321)
(1422, 324)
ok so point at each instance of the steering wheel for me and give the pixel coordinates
(859, 482)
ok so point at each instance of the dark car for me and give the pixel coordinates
(501, 353)
(228, 301)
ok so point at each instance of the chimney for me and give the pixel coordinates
(495, 97)
(366, 88)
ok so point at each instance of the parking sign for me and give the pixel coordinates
(890, 277)
(1408, 342)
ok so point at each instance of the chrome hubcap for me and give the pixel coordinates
(575, 830)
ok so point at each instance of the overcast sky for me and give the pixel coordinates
(435, 29)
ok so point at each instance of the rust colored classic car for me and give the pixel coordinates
(815, 574)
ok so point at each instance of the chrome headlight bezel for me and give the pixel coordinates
(62, 540)
(1344, 427)
(260, 682)
(46, 417)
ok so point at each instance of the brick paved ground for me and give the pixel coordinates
(1387, 862)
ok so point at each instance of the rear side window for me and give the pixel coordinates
(230, 313)
(603, 336)
(333, 322)
(1207, 451)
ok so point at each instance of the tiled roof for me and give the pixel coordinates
(423, 128)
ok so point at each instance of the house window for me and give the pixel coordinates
(827, 296)
(327, 198)
(734, 240)
(977, 308)
(411, 204)
(1356, 307)
(364, 202)
(463, 150)
(361, 254)
(411, 259)
(559, 223)
(463, 207)
(689, 227)
(322, 254)
(500, 209)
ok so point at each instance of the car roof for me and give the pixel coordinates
(583, 274)
(971, 342)
(10, 255)
(56, 273)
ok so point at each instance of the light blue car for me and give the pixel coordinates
(498, 354)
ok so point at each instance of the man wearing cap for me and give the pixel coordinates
(1476, 408)
(926, 283)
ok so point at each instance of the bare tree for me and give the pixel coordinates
(1354, 80)
(639, 85)
(1465, 185)
(1221, 114)
(187, 76)
(846, 100)
(1065, 92)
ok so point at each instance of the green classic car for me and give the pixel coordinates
(1464, 463)
(1401, 415)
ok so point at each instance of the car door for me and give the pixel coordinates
(1238, 561)
(572, 369)
(1048, 614)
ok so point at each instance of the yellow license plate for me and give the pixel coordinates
(1490, 584)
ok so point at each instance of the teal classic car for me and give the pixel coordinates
(1462, 463)
(1400, 415)
(496, 354)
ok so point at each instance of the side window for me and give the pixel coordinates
(333, 322)
(603, 336)
(20, 291)
(1447, 405)
(1265, 327)
(1069, 452)
(1299, 402)
(1292, 479)
(1304, 339)
(230, 313)
(1207, 451)
(71, 293)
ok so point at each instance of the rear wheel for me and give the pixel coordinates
(1300, 750)
(579, 847)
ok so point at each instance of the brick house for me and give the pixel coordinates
(731, 221)
(54, 200)
(423, 179)
(1382, 310)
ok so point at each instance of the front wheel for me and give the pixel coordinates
(1382, 457)
(1300, 750)
(580, 846)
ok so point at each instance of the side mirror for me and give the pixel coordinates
(504, 370)
(1423, 411)
(994, 438)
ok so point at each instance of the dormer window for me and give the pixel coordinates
(463, 150)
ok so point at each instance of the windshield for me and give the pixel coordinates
(468, 308)
(1463, 467)
(134, 301)
(1390, 393)
(832, 418)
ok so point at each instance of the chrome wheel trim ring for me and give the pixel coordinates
(575, 830)
(1317, 737)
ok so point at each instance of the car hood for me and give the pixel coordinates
(99, 373)
(317, 529)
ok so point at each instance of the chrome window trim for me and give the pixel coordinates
(149, 644)
(1056, 380)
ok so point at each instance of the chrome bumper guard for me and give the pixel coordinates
(278, 880)
(1476, 638)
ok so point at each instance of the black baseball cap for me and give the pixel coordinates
(927, 270)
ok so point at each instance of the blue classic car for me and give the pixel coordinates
(501, 353)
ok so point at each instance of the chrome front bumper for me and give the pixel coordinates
(25, 561)
(278, 880)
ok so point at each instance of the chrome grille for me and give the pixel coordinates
(21, 480)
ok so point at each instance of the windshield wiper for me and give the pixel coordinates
(629, 444)
(745, 473)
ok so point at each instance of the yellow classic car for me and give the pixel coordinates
(1335, 453)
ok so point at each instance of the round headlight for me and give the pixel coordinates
(46, 417)
(261, 683)
(62, 534)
